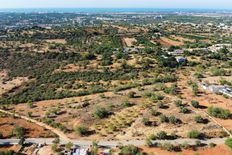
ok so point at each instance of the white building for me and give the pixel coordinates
(217, 47)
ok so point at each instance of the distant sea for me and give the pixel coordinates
(109, 10)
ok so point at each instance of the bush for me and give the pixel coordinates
(167, 146)
(10, 152)
(19, 132)
(199, 119)
(1, 135)
(131, 94)
(94, 148)
(195, 104)
(100, 113)
(56, 141)
(218, 71)
(174, 120)
(198, 143)
(228, 142)
(81, 130)
(30, 104)
(148, 142)
(194, 134)
(185, 145)
(29, 114)
(129, 150)
(178, 103)
(126, 104)
(154, 112)
(219, 112)
(146, 121)
(162, 135)
(161, 105)
(184, 110)
(54, 147)
(163, 119)
(211, 145)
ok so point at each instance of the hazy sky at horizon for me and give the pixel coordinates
(216, 4)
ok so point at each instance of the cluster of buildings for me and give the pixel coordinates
(215, 48)
(217, 89)
(78, 151)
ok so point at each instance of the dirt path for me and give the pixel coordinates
(54, 130)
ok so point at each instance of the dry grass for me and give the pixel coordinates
(57, 41)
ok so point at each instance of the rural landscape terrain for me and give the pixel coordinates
(116, 83)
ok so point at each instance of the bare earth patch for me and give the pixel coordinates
(8, 85)
(7, 124)
(129, 41)
(168, 42)
(218, 150)
(58, 41)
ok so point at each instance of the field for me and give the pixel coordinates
(8, 124)
(105, 81)
(168, 42)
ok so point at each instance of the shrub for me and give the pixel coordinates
(56, 141)
(126, 104)
(184, 110)
(218, 71)
(161, 105)
(198, 143)
(228, 142)
(81, 130)
(185, 145)
(194, 134)
(10, 152)
(199, 119)
(30, 104)
(29, 114)
(162, 135)
(163, 119)
(178, 103)
(100, 113)
(54, 147)
(94, 148)
(146, 121)
(154, 112)
(152, 137)
(195, 104)
(167, 146)
(174, 120)
(212, 145)
(19, 132)
(131, 94)
(1, 135)
(219, 112)
(129, 150)
(148, 142)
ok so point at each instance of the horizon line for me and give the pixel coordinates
(117, 8)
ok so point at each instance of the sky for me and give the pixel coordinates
(213, 4)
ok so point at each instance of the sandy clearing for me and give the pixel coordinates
(57, 41)
(182, 39)
(6, 86)
(171, 42)
(218, 150)
(7, 124)
(129, 41)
